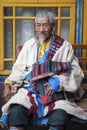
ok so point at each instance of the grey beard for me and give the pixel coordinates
(41, 40)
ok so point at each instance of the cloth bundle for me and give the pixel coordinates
(40, 74)
(49, 68)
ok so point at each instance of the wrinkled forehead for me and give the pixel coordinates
(44, 19)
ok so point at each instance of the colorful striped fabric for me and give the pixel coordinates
(39, 87)
(41, 72)
(56, 43)
(56, 96)
(49, 68)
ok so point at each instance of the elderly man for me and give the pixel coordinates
(47, 76)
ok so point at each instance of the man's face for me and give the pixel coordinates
(43, 28)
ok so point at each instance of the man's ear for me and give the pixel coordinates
(53, 28)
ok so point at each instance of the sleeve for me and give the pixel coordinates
(69, 82)
(18, 69)
(54, 83)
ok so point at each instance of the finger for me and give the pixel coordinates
(47, 89)
(50, 92)
(46, 85)
(7, 97)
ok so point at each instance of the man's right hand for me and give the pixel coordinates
(7, 92)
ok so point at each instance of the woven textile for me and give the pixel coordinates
(56, 96)
(56, 43)
(40, 88)
(41, 72)
(49, 68)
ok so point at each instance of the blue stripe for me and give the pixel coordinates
(2, 78)
(40, 110)
(79, 23)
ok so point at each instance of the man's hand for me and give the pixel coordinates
(48, 89)
(7, 93)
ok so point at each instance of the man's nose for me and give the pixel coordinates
(41, 28)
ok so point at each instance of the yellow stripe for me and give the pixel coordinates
(43, 47)
(8, 82)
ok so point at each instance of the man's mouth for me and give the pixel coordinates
(43, 33)
(42, 36)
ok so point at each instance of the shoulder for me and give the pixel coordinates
(67, 44)
(27, 45)
(30, 42)
(58, 39)
(60, 42)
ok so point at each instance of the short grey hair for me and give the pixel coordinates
(50, 16)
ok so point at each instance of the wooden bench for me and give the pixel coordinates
(83, 63)
(83, 102)
(83, 58)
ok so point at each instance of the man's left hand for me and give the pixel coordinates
(48, 89)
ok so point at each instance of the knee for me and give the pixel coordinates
(16, 109)
(17, 115)
(58, 117)
(61, 115)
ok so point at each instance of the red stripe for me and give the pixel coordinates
(34, 107)
(50, 107)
